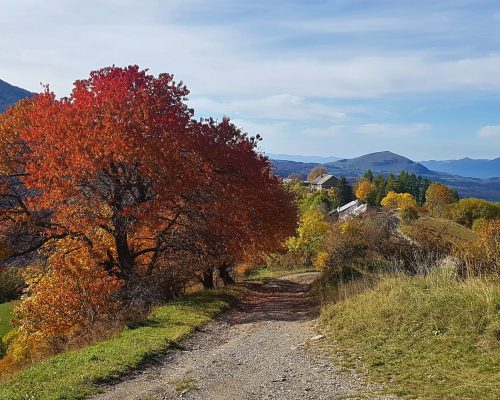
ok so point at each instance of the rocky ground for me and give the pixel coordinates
(262, 349)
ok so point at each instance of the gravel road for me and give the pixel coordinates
(261, 349)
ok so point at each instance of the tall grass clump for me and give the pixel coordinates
(432, 336)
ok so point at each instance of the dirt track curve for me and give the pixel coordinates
(258, 350)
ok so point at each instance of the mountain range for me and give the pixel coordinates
(478, 168)
(10, 94)
(386, 162)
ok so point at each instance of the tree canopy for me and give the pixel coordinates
(119, 191)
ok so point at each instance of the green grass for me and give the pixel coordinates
(430, 337)
(76, 374)
(184, 385)
(450, 230)
(260, 274)
(5, 316)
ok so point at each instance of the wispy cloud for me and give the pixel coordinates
(489, 132)
(277, 107)
(298, 69)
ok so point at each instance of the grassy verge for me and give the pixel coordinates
(265, 273)
(430, 337)
(76, 374)
(5, 316)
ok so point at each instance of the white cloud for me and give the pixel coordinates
(392, 130)
(277, 107)
(489, 132)
(62, 41)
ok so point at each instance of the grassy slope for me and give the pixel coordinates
(75, 374)
(428, 337)
(450, 230)
(5, 315)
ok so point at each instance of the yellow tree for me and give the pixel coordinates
(311, 234)
(438, 197)
(366, 191)
(401, 200)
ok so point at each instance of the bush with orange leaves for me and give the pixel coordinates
(482, 255)
(81, 291)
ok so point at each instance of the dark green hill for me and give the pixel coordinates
(382, 161)
(10, 94)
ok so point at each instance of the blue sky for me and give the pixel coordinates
(420, 78)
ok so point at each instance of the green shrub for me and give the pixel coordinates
(409, 214)
(466, 211)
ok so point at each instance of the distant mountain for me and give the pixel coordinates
(382, 161)
(385, 163)
(11, 94)
(475, 168)
(304, 159)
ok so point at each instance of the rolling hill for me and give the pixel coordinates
(383, 161)
(10, 94)
(475, 168)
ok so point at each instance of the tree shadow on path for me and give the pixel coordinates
(275, 300)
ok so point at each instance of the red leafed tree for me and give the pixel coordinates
(245, 210)
(122, 168)
(126, 199)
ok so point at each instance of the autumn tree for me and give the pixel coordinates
(366, 191)
(22, 229)
(296, 176)
(315, 172)
(481, 256)
(437, 198)
(466, 211)
(311, 235)
(125, 195)
(401, 200)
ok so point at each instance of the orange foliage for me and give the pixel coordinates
(437, 198)
(366, 190)
(125, 196)
(482, 255)
(67, 299)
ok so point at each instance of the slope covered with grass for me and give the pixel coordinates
(76, 374)
(439, 227)
(5, 316)
(431, 337)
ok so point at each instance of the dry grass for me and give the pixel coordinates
(439, 227)
(429, 337)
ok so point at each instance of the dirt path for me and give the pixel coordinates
(258, 350)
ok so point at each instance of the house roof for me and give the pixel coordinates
(321, 179)
(347, 206)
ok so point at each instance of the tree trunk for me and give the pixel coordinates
(125, 258)
(208, 279)
(225, 275)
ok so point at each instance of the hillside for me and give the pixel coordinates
(479, 168)
(385, 163)
(10, 94)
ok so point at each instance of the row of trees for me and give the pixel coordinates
(372, 189)
(116, 198)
